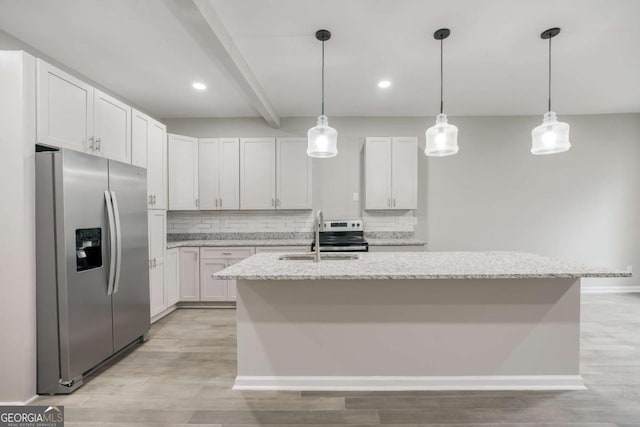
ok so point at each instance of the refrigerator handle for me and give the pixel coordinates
(118, 241)
(112, 242)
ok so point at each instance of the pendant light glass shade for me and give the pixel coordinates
(322, 140)
(551, 136)
(442, 138)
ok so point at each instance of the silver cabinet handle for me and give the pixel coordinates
(155, 263)
(91, 146)
(394, 202)
(196, 203)
(154, 199)
(389, 202)
(226, 253)
(116, 215)
(273, 202)
(112, 242)
(216, 202)
(98, 145)
(220, 201)
(149, 199)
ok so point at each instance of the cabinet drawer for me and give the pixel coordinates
(226, 253)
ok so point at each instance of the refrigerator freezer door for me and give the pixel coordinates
(128, 185)
(84, 308)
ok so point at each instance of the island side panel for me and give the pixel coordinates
(408, 328)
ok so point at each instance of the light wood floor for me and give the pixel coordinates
(184, 374)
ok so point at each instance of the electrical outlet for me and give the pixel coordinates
(355, 197)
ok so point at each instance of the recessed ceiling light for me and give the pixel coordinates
(199, 86)
(384, 84)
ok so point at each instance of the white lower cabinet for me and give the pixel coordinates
(157, 225)
(172, 276)
(213, 260)
(212, 289)
(189, 274)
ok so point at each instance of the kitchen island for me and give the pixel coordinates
(410, 321)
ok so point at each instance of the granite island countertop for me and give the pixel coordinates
(415, 266)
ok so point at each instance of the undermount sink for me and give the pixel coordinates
(323, 257)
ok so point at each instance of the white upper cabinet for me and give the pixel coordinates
(112, 127)
(72, 114)
(149, 150)
(293, 174)
(64, 109)
(391, 173)
(183, 172)
(157, 165)
(257, 173)
(219, 173)
(139, 136)
(377, 164)
(404, 173)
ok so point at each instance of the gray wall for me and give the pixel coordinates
(583, 205)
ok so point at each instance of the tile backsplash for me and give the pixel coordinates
(180, 222)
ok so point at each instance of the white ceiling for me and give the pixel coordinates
(495, 62)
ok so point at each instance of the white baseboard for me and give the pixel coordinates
(26, 402)
(389, 383)
(609, 289)
(164, 313)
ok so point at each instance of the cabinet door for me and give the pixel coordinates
(189, 273)
(171, 278)
(139, 137)
(257, 173)
(157, 303)
(157, 248)
(64, 109)
(157, 165)
(212, 289)
(112, 127)
(404, 173)
(293, 177)
(209, 172)
(229, 173)
(183, 172)
(377, 173)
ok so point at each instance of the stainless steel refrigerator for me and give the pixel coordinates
(92, 272)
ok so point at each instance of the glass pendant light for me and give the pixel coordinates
(322, 140)
(442, 138)
(551, 136)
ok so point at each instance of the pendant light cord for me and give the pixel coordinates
(549, 74)
(441, 79)
(323, 77)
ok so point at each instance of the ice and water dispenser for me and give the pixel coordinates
(88, 248)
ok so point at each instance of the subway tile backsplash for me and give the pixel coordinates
(185, 222)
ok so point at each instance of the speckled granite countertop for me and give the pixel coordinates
(283, 242)
(415, 265)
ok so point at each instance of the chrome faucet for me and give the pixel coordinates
(319, 221)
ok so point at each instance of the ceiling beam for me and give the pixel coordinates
(201, 20)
